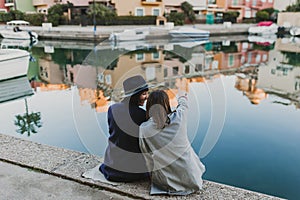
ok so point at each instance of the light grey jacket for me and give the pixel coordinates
(175, 167)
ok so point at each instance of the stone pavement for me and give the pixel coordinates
(20, 183)
(30, 170)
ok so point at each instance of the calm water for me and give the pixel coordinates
(244, 100)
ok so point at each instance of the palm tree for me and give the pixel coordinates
(28, 122)
(187, 9)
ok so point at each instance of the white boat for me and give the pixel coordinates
(7, 43)
(264, 28)
(13, 63)
(263, 39)
(19, 34)
(295, 31)
(129, 35)
(189, 32)
(18, 23)
(188, 42)
(16, 88)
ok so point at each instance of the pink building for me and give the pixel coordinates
(246, 8)
(2, 6)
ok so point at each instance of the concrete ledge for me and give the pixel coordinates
(69, 32)
(70, 165)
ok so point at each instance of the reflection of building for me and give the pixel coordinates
(278, 75)
(50, 72)
(288, 44)
(233, 56)
(249, 88)
(149, 64)
(280, 78)
(86, 79)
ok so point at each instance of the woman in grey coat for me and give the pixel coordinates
(175, 168)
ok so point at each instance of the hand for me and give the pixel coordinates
(182, 86)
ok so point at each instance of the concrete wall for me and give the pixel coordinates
(129, 7)
(288, 19)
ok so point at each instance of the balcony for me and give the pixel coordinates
(39, 2)
(9, 3)
(256, 4)
(151, 2)
(236, 3)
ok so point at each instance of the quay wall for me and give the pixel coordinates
(70, 165)
(103, 32)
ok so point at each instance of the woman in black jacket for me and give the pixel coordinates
(123, 160)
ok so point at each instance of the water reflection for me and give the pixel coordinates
(28, 122)
(160, 62)
(238, 88)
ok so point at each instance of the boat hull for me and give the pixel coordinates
(13, 63)
(295, 31)
(20, 35)
(263, 30)
(189, 33)
(129, 35)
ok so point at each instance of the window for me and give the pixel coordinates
(108, 79)
(258, 58)
(101, 78)
(155, 56)
(139, 12)
(187, 69)
(150, 73)
(243, 59)
(265, 57)
(230, 60)
(175, 70)
(273, 71)
(139, 56)
(235, 2)
(215, 64)
(247, 13)
(155, 11)
(198, 68)
(165, 72)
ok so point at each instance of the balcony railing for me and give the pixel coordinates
(9, 3)
(256, 4)
(39, 2)
(236, 3)
(151, 2)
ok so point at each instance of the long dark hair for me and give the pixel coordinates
(158, 107)
(134, 99)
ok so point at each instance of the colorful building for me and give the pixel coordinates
(21, 5)
(2, 6)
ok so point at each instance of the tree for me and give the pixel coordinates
(28, 122)
(294, 7)
(230, 16)
(101, 12)
(177, 18)
(262, 16)
(55, 13)
(188, 11)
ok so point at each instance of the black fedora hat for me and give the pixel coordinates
(134, 85)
